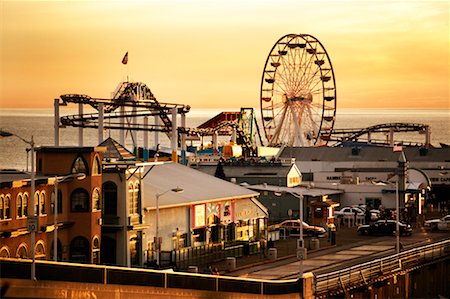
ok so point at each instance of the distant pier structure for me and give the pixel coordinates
(128, 110)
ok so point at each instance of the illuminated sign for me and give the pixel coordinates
(199, 216)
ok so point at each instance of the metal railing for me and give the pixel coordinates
(111, 275)
(363, 274)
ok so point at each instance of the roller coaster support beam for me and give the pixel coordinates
(156, 122)
(80, 129)
(122, 120)
(234, 135)
(391, 136)
(100, 122)
(146, 132)
(214, 141)
(56, 121)
(174, 136)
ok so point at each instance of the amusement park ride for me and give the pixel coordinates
(297, 101)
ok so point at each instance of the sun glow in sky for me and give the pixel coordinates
(211, 54)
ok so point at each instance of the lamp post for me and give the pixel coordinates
(78, 176)
(33, 211)
(397, 228)
(301, 252)
(157, 240)
(397, 217)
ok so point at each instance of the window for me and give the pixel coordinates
(96, 168)
(6, 210)
(42, 203)
(79, 250)
(19, 206)
(2, 213)
(60, 201)
(36, 203)
(79, 200)
(40, 250)
(4, 252)
(25, 204)
(79, 165)
(22, 251)
(131, 198)
(109, 198)
(96, 201)
(136, 198)
(96, 251)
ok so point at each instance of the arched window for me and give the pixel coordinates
(19, 205)
(40, 250)
(79, 250)
(2, 202)
(6, 209)
(4, 252)
(22, 251)
(36, 203)
(96, 167)
(79, 200)
(42, 210)
(109, 198)
(25, 204)
(95, 250)
(96, 201)
(60, 201)
(80, 165)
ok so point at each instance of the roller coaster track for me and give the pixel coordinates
(128, 94)
(353, 135)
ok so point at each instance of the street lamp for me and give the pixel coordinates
(397, 217)
(78, 176)
(32, 174)
(301, 252)
(157, 240)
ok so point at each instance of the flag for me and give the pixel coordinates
(397, 148)
(125, 58)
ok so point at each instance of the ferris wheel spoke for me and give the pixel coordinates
(279, 125)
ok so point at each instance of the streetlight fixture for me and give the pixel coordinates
(33, 211)
(57, 180)
(157, 239)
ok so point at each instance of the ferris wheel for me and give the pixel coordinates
(298, 93)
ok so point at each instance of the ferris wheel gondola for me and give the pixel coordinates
(298, 93)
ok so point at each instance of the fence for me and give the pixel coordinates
(358, 275)
(203, 255)
(108, 275)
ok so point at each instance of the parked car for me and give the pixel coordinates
(349, 211)
(293, 228)
(441, 224)
(384, 228)
(374, 213)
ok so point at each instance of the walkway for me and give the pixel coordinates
(350, 249)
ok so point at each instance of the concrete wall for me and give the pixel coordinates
(169, 220)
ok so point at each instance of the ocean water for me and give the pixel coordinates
(39, 124)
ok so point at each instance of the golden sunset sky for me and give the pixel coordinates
(211, 54)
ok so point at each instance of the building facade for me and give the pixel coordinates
(78, 206)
